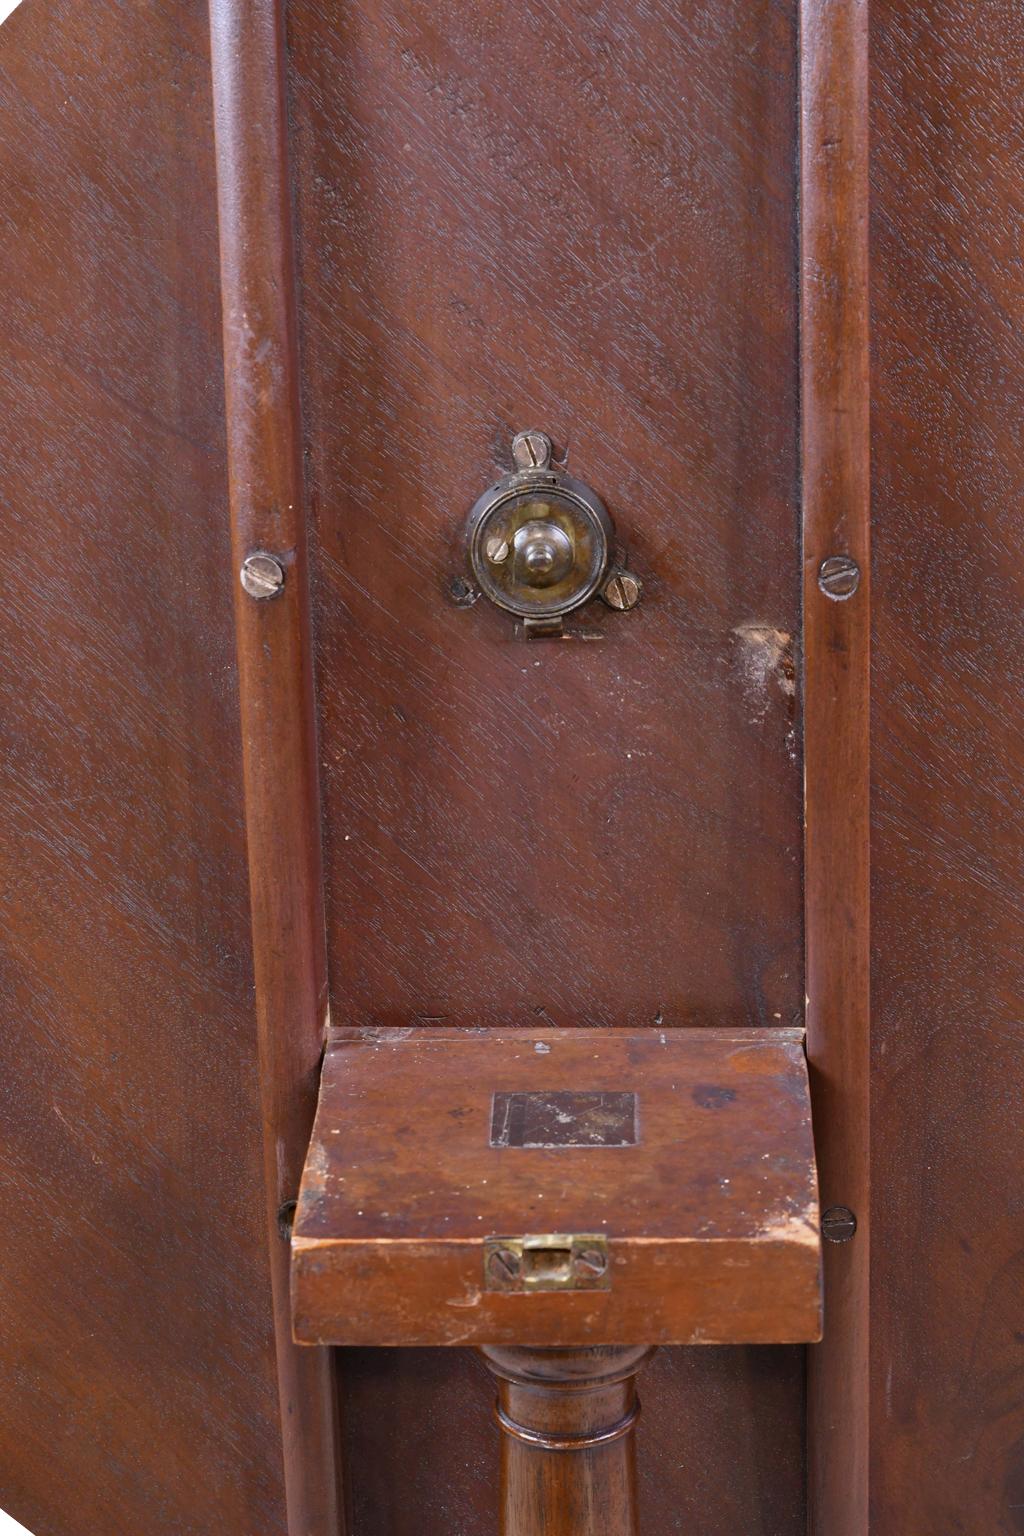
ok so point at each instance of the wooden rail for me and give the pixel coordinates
(276, 687)
(836, 563)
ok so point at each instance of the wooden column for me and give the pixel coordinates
(568, 1456)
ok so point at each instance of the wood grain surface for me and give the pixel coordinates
(136, 1346)
(275, 679)
(709, 1211)
(507, 216)
(583, 222)
(591, 832)
(947, 1367)
(835, 434)
(568, 1445)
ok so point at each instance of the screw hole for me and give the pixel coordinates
(286, 1219)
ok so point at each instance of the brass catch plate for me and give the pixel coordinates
(551, 1261)
(540, 543)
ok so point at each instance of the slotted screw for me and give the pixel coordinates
(504, 1264)
(590, 1262)
(262, 575)
(839, 577)
(838, 1224)
(531, 450)
(622, 591)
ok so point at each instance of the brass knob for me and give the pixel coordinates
(544, 553)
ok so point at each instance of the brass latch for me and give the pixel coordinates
(552, 1261)
(541, 544)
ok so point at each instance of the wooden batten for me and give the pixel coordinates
(276, 686)
(836, 509)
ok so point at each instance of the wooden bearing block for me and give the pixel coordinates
(559, 1187)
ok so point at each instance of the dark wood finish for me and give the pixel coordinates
(136, 1348)
(436, 1467)
(835, 423)
(595, 832)
(711, 1216)
(282, 807)
(568, 1451)
(583, 221)
(947, 1146)
(588, 221)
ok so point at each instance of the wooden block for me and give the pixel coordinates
(664, 1182)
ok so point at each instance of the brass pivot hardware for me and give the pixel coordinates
(540, 543)
(554, 1261)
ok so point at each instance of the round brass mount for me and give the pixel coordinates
(539, 542)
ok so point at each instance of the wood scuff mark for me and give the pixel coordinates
(764, 656)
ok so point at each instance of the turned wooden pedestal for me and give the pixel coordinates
(565, 1200)
(568, 1451)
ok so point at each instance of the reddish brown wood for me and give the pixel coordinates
(591, 832)
(276, 685)
(510, 213)
(947, 1145)
(709, 1211)
(583, 220)
(568, 1451)
(835, 423)
(446, 1451)
(136, 1344)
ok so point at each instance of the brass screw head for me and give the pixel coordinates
(839, 577)
(504, 1264)
(531, 450)
(590, 1262)
(262, 575)
(622, 591)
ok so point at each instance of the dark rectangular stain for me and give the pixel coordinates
(564, 1119)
